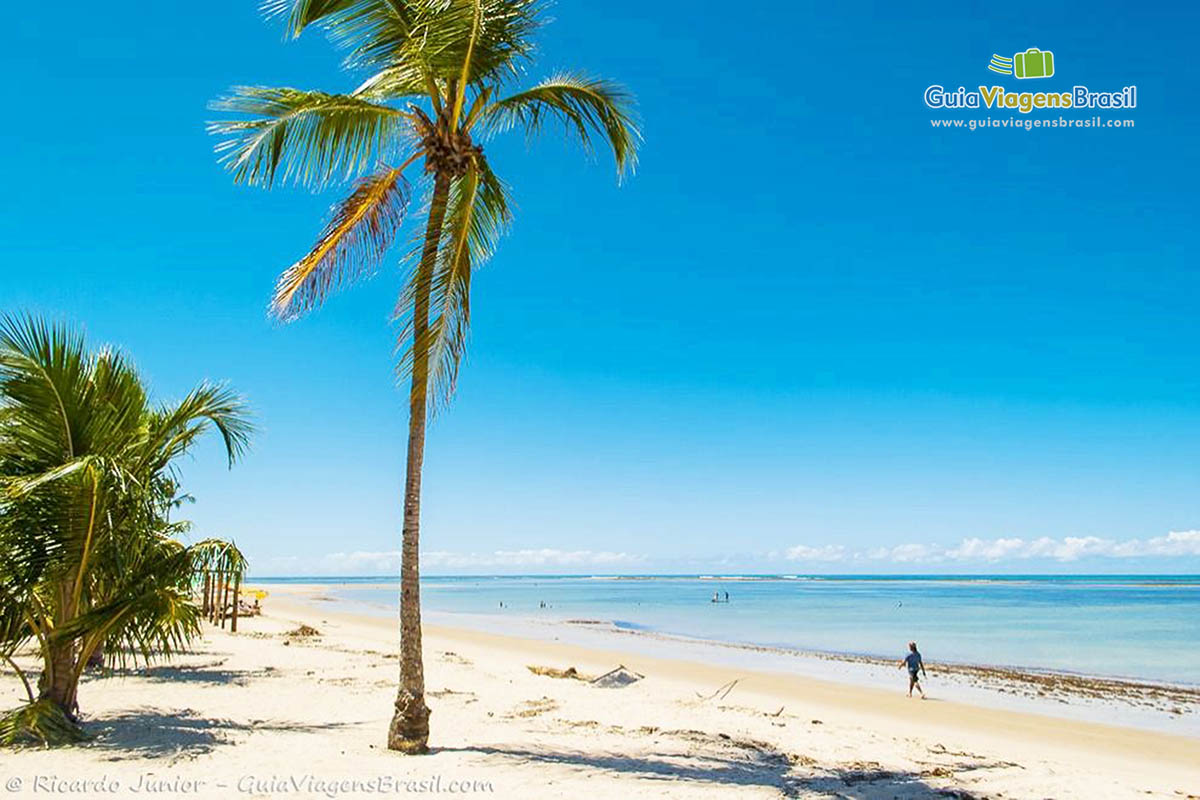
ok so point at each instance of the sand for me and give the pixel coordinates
(269, 713)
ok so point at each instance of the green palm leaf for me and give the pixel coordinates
(432, 35)
(585, 106)
(314, 137)
(35, 360)
(173, 430)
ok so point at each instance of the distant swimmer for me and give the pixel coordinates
(716, 597)
(915, 665)
(727, 597)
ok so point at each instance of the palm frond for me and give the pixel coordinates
(585, 106)
(116, 397)
(218, 555)
(174, 429)
(482, 41)
(358, 235)
(431, 35)
(373, 32)
(41, 723)
(464, 77)
(146, 608)
(17, 486)
(302, 13)
(39, 365)
(313, 137)
(477, 215)
(396, 82)
(23, 560)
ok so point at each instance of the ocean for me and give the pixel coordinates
(1140, 627)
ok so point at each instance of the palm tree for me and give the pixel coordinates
(89, 557)
(439, 73)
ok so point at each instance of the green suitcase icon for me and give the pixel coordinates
(1033, 63)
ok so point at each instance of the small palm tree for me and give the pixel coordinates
(439, 72)
(89, 556)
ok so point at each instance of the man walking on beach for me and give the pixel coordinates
(915, 664)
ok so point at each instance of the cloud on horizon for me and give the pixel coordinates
(388, 561)
(973, 550)
(991, 551)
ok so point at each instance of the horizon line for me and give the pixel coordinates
(392, 576)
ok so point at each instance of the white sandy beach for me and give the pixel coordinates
(263, 713)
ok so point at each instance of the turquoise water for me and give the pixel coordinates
(1129, 626)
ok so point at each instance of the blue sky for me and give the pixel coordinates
(812, 334)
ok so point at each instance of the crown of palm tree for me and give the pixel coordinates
(441, 78)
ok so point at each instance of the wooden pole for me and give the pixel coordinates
(224, 596)
(206, 606)
(237, 586)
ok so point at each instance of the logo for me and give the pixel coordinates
(1033, 63)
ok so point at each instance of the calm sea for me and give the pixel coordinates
(1118, 625)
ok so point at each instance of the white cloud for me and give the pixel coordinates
(829, 552)
(987, 550)
(1072, 548)
(545, 557)
(1066, 549)
(363, 562)
(359, 562)
(969, 551)
(1175, 543)
(906, 554)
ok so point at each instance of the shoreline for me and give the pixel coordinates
(1147, 704)
(939, 718)
(1118, 680)
(1048, 681)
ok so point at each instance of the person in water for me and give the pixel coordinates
(915, 665)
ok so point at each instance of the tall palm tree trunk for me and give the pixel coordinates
(409, 730)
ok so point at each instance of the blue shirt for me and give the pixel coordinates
(913, 660)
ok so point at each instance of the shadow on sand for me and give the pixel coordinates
(756, 768)
(154, 732)
(198, 673)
